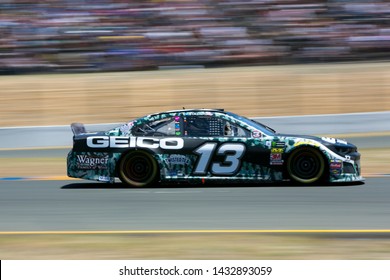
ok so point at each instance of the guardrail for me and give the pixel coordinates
(58, 136)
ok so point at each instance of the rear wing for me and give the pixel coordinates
(78, 128)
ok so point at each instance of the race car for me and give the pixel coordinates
(207, 146)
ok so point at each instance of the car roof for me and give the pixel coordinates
(190, 110)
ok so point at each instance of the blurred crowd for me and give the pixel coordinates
(113, 35)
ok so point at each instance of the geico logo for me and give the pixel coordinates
(132, 142)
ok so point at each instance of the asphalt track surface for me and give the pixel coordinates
(87, 206)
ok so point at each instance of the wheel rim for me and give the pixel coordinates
(138, 169)
(306, 166)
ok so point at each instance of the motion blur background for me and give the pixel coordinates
(94, 47)
(112, 35)
(109, 61)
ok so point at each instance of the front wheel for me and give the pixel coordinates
(138, 169)
(306, 165)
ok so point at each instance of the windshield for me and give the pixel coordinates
(253, 123)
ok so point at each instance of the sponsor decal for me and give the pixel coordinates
(341, 141)
(335, 171)
(104, 179)
(276, 156)
(178, 159)
(256, 134)
(334, 140)
(92, 162)
(276, 159)
(177, 126)
(125, 129)
(277, 149)
(175, 173)
(278, 144)
(335, 166)
(306, 142)
(133, 142)
(330, 140)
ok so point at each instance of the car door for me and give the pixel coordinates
(223, 148)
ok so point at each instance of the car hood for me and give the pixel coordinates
(327, 141)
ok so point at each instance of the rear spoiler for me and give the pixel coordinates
(78, 128)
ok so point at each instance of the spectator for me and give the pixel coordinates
(113, 35)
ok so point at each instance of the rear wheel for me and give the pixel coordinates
(138, 169)
(306, 165)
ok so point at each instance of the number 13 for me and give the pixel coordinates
(233, 153)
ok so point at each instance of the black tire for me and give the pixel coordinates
(306, 165)
(138, 169)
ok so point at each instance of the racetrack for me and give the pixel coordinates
(86, 206)
(77, 205)
(75, 219)
(68, 214)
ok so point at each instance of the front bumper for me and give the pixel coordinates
(348, 170)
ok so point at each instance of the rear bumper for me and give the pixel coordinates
(91, 166)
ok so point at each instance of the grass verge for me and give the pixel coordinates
(193, 246)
